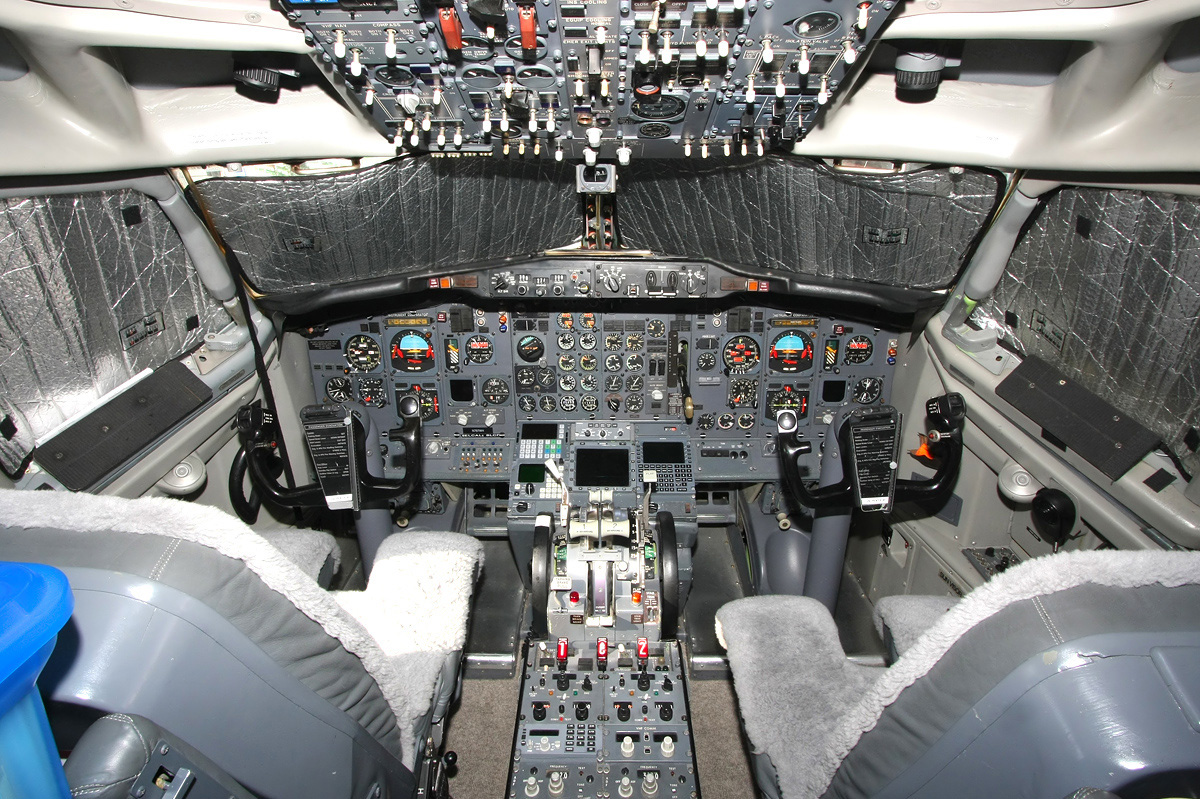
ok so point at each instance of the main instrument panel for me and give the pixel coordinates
(591, 79)
(512, 353)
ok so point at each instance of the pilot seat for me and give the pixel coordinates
(188, 619)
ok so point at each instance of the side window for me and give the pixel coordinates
(94, 289)
(1105, 286)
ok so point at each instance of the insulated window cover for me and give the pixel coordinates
(94, 288)
(402, 216)
(793, 215)
(1105, 286)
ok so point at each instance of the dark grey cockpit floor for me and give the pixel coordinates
(481, 731)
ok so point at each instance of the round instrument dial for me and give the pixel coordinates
(545, 376)
(588, 341)
(613, 401)
(371, 393)
(412, 351)
(743, 393)
(791, 352)
(566, 341)
(588, 382)
(867, 390)
(816, 24)
(480, 349)
(633, 383)
(339, 389)
(588, 363)
(587, 320)
(740, 355)
(548, 403)
(612, 363)
(656, 328)
(706, 361)
(787, 399)
(706, 421)
(725, 421)
(526, 402)
(526, 376)
(634, 403)
(567, 403)
(634, 342)
(363, 353)
(612, 383)
(566, 362)
(859, 349)
(589, 403)
(634, 363)
(745, 421)
(530, 348)
(613, 341)
(495, 391)
(566, 321)
(567, 382)
(657, 106)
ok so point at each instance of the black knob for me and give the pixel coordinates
(786, 421)
(563, 682)
(539, 712)
(667, 684)
(409, 406)
(450, 758)
(643, 682)
(666, 711)
(587, 683)
(1053, 516)
(581, 711)
(623, 711)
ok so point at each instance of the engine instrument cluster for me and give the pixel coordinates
(511, 353)
(602, 79)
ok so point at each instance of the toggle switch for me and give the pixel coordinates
(667, 53)
(369, 97)
(593, 136)
(701, 47)
(723, 46)
(441, 137)
(339, 45)
(601, 35)
(823, 94)
(644, 55)
(458, 137)
(558, 153)
(780, 90)
(687, 148)
(750, 95)
(508, 87)
(356, 63)
(768, 52)
(861, 22)
(804, 64)
(704, 149)
(849, 54)
(426, 122)
(487, 119)
(589, 156)
(389, 47)
(624, 155)
(504, 120)
(727, 148)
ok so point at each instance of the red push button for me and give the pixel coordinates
(602, 653)
(562, 651)
(643, 648)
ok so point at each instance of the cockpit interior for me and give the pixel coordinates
(583, 399)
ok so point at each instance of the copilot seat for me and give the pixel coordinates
(1071, 670)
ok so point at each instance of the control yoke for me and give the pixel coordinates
(338, 442)
(868, 440)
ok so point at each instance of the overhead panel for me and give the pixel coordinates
(606, 79)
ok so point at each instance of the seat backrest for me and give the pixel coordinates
(186, 616)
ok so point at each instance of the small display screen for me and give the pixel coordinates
(531, 473)
(462, 390)
(602, 467)
(662, 452)
(535, 430)
(833, 391)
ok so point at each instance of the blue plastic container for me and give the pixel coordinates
(35, 603)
